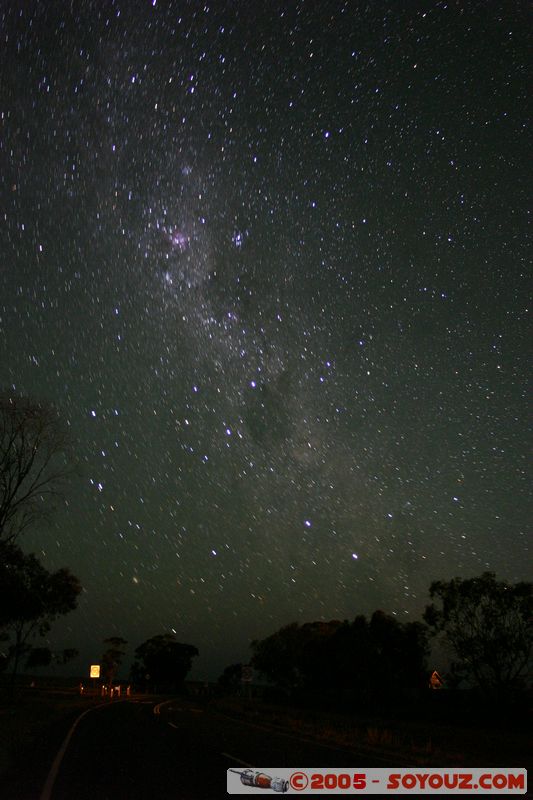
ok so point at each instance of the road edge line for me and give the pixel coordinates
(54, 769)
(238, 760)
(157, 708)
(310, 740)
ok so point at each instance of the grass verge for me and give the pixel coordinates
(398, 741)
(32, 726)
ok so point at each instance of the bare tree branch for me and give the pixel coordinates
(33, 462)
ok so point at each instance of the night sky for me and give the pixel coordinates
(269, 259)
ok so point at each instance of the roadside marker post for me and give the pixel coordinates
(94, 673)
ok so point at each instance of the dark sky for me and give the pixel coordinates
(270, 262)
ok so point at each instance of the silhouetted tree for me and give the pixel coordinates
(66, 655)
(112, 657)
(39, 657)
(368, 661)
(31, 598)
(398, 654)
(163, 662)
(288, 656)
(32, 462)
(230, 680)
(3, 655)
(277, 656)
(43, 657)
(489, 627)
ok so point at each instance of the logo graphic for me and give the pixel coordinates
(252, 777)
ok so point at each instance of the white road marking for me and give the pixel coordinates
(157, 708)
(54, 769)
(238, 760)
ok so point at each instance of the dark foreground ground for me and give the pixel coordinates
(156, 747)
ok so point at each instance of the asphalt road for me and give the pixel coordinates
(147, 749)
(125, 751)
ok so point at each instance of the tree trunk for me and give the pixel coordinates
(18, 646)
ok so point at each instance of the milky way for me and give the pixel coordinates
(271, 268)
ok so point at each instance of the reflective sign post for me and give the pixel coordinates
(94, 673)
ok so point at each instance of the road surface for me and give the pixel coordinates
(125, 751)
